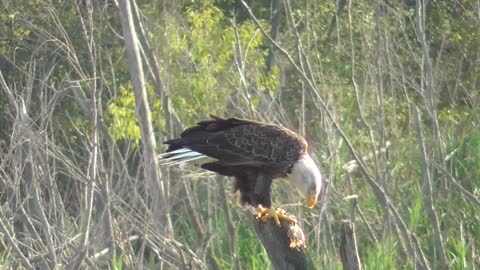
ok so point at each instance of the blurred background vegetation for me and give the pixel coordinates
(387, 94)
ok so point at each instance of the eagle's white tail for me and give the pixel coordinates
(183, 156)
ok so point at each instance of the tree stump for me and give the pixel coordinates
(348, 246)
(284, 244)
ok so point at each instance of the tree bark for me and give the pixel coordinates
(276, 241)
(348, 246)
(151, 171)
(275, 28)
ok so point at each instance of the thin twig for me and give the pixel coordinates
(457, 185)
(11, 239)
(428, 193)
(230, 226)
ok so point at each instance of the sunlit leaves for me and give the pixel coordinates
(122, 119)
(206, 57)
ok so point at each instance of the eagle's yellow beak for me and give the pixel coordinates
(311, 200)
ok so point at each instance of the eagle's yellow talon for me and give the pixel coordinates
(264, 214)
(293, 243)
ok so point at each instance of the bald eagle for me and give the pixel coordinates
(254, 154)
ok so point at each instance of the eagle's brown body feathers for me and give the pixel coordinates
(254, 153)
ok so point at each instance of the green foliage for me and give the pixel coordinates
(416, 214)
(207, 49)
(463, 151)
(117, 262)
(383, 257)
(122, 118)
(13, 34)
(204, 67)
(4, 253)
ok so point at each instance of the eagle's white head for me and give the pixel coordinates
(306, 176)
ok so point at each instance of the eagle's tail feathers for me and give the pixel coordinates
(179, 156)
(174, 153)
(183, 156)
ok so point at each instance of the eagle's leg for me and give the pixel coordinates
(264, 214)
(262, 197)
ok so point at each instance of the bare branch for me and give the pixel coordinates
(428, 193)
(230, 225)
(152, 173)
